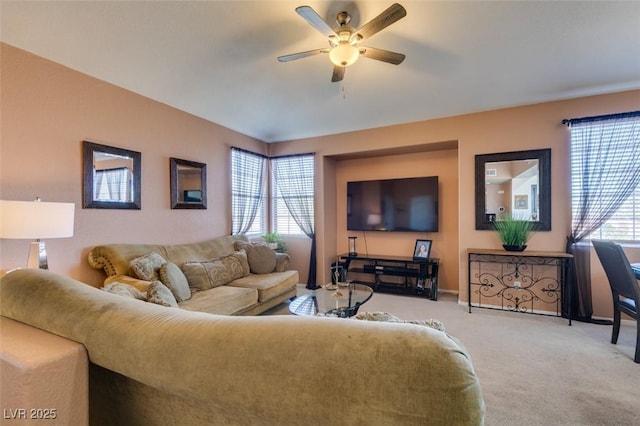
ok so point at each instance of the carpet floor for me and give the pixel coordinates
(534, 370)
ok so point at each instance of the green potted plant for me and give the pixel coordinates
(275, 241)
(514, 233)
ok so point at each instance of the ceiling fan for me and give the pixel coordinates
(344, 49)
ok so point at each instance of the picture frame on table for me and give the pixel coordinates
(422, 250)
(521, 202)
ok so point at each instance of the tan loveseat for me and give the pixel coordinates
(226, 275)
(152, 365)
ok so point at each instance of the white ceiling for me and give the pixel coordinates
(217, 59)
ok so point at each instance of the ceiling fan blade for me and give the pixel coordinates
(312, 17)
(394, 13)
(300, 55)
(338, 74)
(382, 55)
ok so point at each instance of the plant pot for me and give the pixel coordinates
(508, 247)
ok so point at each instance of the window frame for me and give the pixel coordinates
(276, 202)
(580, 142)
(262, 213)
(273, 209)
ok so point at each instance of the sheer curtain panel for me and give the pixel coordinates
(294, 179)
(247, 191)
(605, 172)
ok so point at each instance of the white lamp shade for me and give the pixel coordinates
(374, 219)
(36, 219)
(344, 55)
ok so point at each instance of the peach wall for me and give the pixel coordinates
(48, 110)
(512, 129)
(443, 164)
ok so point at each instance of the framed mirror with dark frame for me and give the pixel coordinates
(515, 183)
(188, 184)
(111, 177)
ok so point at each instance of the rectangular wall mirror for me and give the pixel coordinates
(514, 183)
(188, 184)
(111, 177)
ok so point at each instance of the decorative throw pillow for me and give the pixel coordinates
(262, 259)
(141, 285)
(242, 245)
(173, 277)
(197, 275)
(216, 272)
(126, 290)
(387, 317)
(146, 267)
(158, 293)
(241, 257)
(282, 262)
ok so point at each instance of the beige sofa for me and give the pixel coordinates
(226, 275)
(44, 378)
(152, 365)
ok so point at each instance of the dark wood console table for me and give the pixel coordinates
(417, 277)
(528, 281)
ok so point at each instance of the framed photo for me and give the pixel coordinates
(521, 201)
(422, 249)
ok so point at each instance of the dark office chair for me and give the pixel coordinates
(624, 287)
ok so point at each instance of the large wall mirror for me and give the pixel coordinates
(188, 184)
(514, 183)
(111, 177)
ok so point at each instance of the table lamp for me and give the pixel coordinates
(36, 220)
(374, 220)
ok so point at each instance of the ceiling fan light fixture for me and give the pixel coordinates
(344, 54)
(343, 41)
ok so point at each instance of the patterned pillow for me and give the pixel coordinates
(158, 293)
(141, 285)
(146, 267)
(387, 317)
(262, 259)
(172, 277)
(126, 290)
(216, 272)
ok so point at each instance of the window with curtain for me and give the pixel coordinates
(248, 189)
(624, 224)
(292, 188)
(605, 177)
(113, 185)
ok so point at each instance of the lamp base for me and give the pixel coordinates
(37, 256)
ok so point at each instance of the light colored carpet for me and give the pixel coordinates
(535, 370)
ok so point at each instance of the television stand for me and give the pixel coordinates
(412, 277)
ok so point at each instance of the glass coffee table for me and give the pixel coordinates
(342, 300)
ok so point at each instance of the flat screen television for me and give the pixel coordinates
(400, 205)
(192, 196)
